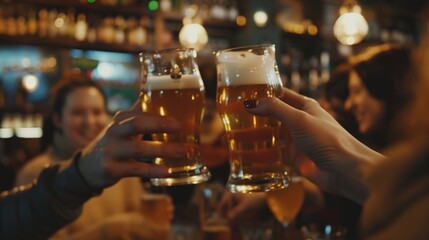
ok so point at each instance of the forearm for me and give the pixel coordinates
(40, 210)
(358, 158)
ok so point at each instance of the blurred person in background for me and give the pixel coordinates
(334, 95)
(79, 114)
(378, 89)
(365, 96)
(339, 211)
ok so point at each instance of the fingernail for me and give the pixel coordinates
(251, 103)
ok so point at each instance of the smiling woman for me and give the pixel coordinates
(78, 115)
(379, 85)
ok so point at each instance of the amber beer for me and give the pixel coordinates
(254, 142)
(182, 99)
(153, 206)
(286, 203)
(216, 232)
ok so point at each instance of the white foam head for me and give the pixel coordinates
(246, 68)
(165, 82)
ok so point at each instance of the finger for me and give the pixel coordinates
(293, 98)
(136, 106)
(304, 103)
(292, 117)
(288, 115)
(133, 149)
(146, 123)
(235, 212)
(132, 168)
(122, 115)
(224, 202)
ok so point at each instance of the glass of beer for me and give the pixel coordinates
(255, 143)
(286, 203)
(214, 225)
(171, 85)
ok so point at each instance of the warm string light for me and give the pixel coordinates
(260, 18)
(351, 27)
(21, 126)
(193, 34)
(30, 82)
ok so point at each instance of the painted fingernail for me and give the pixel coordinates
(251, 103)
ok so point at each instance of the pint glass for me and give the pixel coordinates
(255, 143)
(171, 85)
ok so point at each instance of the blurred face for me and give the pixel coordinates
(83, 116)
(368, 111)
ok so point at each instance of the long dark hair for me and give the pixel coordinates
(384, 71)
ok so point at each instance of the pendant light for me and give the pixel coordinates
(350, 27)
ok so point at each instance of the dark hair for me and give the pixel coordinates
(337, 86)
(384, 71)
(337, 89)
(59, 92)
(67, 85)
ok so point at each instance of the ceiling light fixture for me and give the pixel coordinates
(350, 27)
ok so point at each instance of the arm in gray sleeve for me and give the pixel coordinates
(37, 211)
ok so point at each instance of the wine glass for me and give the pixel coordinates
(286, 203)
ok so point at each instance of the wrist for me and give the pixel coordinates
(354, 189)
(357, 159)
(72, 187)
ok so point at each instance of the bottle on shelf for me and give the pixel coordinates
(120, 26)
(141, 33)
(52, 29)
(43, 22)
(11, 26)
(81, 28)
(71, 23)
(21, 25)
(32, 22)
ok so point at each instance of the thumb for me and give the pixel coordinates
(272, 106)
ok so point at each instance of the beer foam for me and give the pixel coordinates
(165, 82)
(245, 68)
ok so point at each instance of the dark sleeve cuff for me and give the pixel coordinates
(35, 211)
(70, 186)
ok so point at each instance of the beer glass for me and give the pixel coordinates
(255, 143)
(171, 85)
(214, 225)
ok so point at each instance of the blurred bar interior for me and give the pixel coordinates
(41, 40)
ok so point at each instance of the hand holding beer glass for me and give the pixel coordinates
(172, 86)
(255, 143)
